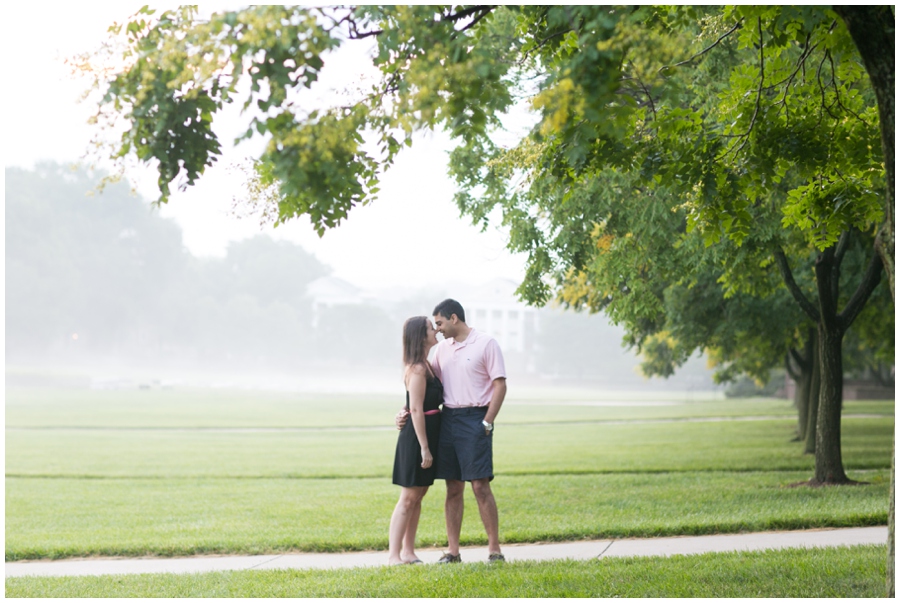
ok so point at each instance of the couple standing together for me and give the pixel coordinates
(468, 377)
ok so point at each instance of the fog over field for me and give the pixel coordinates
(101, 292)
(105, 291)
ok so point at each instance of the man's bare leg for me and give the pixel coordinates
(453, 513)
(487, 507)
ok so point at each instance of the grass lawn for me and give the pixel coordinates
(38, 407)
(840, 572)
(368, 452)
(171, 472)
(74, 517)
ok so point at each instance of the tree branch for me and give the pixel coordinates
(477, 19)
(869, 281)
(368, 34)
(542, 42)
(705, 50)
(810, 309)
(842, 245)
(839, 252)
(762, 78)
(837, 95)
(800, 62)
(789, 367)
(354, 33)
(788, 81)
(482, 8)
(802, 362)
(821, 87)
(485, 12)
(649, 97)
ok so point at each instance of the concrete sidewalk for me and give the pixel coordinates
(580, 550)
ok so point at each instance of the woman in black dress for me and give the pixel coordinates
(413, 461)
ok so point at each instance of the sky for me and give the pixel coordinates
(412, 237)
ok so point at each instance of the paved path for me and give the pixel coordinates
(581, 550)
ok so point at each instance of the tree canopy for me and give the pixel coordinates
(720, 103)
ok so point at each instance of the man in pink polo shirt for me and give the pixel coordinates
(470, 365)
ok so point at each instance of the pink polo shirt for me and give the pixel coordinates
(467, 369)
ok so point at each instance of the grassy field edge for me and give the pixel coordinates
(830, 572)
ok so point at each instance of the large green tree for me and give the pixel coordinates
(872, 28)
(772, 119)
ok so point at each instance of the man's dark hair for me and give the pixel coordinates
(448, 308)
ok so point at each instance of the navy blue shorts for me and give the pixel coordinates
(465, 452)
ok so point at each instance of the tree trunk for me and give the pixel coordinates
(890, 542)
(801, 401)
(872, 30)
(797, 377)
(831, 328)
(805, 364)
(829, 465)
(815, 386)
(884, 245)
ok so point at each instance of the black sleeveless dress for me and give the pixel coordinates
(408, 470)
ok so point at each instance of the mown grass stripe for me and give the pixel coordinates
(753, 470)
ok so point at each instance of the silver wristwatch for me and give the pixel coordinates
(488, 427)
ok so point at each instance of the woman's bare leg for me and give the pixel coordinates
(408, 551)
(410, 498)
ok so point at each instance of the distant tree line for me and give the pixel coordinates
(103, 277)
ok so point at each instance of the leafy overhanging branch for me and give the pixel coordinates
(696, 56)
(480, 12)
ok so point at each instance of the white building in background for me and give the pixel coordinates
(494, 309)
(491, 308)
(330, 291)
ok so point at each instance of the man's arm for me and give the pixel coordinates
(497, 397)
(400, 418)
(493, 362)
